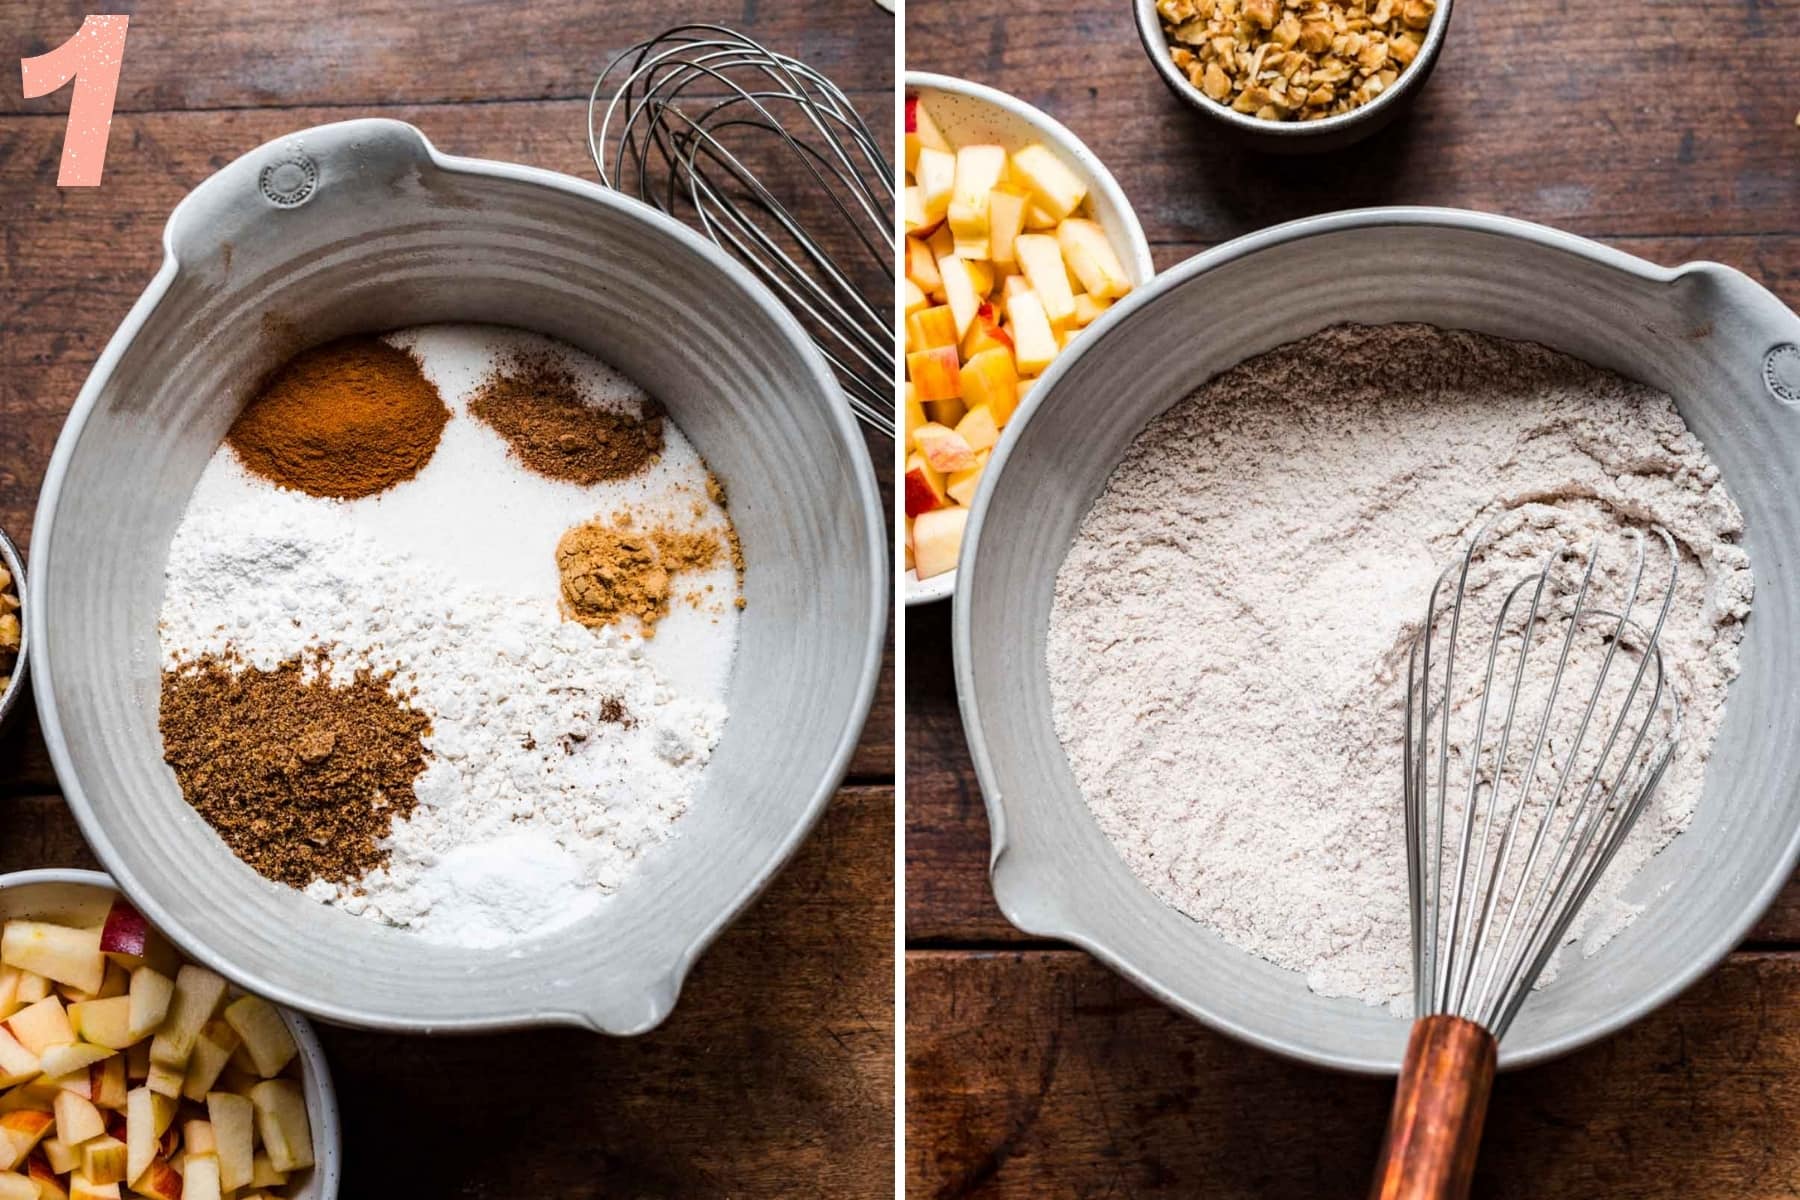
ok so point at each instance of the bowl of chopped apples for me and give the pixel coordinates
(124, 1067)
(1016, 239)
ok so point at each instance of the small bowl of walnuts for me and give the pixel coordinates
(1295, 76)
(12, 627)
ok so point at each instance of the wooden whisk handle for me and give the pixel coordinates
(1435, 1129)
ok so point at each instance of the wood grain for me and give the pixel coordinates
(772, 1078)
(212, 54)
(1044, 1075)
(1625, 118)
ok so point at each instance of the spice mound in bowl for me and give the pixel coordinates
(467, 603)
(123, 1066)
(1294, 60)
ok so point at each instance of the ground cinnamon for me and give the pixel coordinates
(537, 405)
(611, 571)
(301, 779)
(347, 419)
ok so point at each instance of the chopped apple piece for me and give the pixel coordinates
(213, 1050)
(104, 1022)
(984, 333)
(19, 1132)
(42, 1025)
(921, 266)
(197, 1138)
(77, 1119)
(57, 952)
(9, 990)
(916, 298)
(940, 243)
(1037, 220)
(197, 995)
(158, 1181)
(936, 173)
(1006, 217)
(930, 328)
(263, 1173)
(924, 487)
(151, 991)
(165, 1080)
(1034, 344)
(106, 1083)
(1014, 285)
(990, 379)
(83, 1188)
(978, 172)
(915, 414)
(962, 485)
(937, 538)
(944, 448)
(17, 1063)
(17, 1187)
(960, 291)
(1042, 261)
(48, 1185)
(282, 1123)
(1053, 187)
(200, 1177)
(1091, 257)
(935, 373)
(104, 1160)
(947, 411)
(912, 203)
(61, 1156)
(73, 1060)
(147, 1117)
(978, 428)
(1088, 309)
(233, 1120)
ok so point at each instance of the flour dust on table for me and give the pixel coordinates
(384, 682)
(1228, 641)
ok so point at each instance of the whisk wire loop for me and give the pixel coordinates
(713, 159)
(1485, 926)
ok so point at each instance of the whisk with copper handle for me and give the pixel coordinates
(1507, 836)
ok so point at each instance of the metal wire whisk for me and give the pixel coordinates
(770, 159)
(1511, 821)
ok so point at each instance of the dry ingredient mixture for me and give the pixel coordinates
(12, 633)
(537, 405)
(1294, 60)
(554, 755)
(346, 419)
(303, 779)
(1227, 644)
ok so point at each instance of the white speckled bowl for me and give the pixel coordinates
(970, 112)
(82, 898)
(366, 226)
(1722, 346)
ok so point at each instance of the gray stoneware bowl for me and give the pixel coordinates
(365, 226)
(1296, 137)
(82, 898)
(13, 561)
(1722, 346)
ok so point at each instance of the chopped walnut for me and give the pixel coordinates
(1294, 60)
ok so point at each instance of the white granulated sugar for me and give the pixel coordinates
(1227, 643)
(531, 806)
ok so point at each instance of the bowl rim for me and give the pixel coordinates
(327, 1118)
(14, 561)
(1011, 892)
(661, 998)
(1156, 46)
(941, 587)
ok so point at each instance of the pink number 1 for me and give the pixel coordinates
(92, 58)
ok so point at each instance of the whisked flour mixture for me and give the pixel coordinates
(1227, 644)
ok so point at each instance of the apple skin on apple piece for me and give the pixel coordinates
(158, 1181)
(44, 1176)
(924, 486)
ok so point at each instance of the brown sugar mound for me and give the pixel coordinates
(347, 419)
(301, 779)
(613, 571)
(537, 405)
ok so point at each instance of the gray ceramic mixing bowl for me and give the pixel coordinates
(363, 226)
(1726, 349)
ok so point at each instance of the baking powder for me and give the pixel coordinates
(1227, 644)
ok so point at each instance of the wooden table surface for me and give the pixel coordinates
(774, 1076)
(1665, 129)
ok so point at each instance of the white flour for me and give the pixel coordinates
(532, 806)
(1227, 642)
